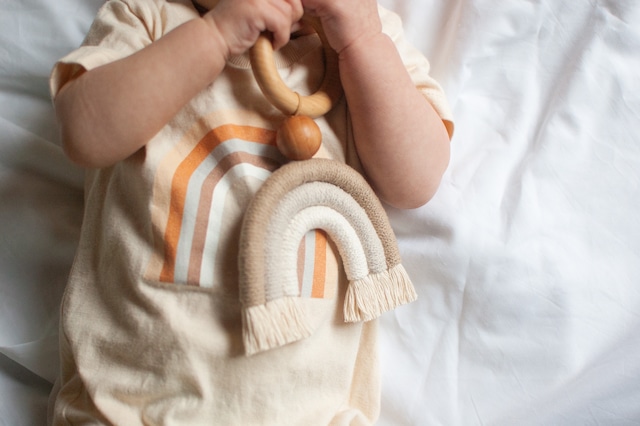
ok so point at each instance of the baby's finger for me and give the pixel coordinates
(285, 14)
(297, 10)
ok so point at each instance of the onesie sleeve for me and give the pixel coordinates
(119, 29)
(418, 67)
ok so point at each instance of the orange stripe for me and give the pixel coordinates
(319, 265)
(181, 178)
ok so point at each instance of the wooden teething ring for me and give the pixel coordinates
(299, 137)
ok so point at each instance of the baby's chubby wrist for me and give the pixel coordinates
(367, 44)
(215, 37)
(346, 22)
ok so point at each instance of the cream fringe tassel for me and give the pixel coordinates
(369, 297)
(283, 321)
(273, 324)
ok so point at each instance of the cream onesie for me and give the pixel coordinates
(151, 324)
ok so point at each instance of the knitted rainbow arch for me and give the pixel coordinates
(297, 198)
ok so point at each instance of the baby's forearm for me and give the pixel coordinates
(402, 142)
(110, 112)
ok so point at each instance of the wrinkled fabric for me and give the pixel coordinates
(528, 307)
(526, 261)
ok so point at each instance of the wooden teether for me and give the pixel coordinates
(299, 137)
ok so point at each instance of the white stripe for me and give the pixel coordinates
(212, 243)
(309, 263)
(192, 199)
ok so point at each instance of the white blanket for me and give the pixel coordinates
(527, 261)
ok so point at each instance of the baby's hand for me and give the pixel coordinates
(346, 21)
(240, 22)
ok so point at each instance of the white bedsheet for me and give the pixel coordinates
(527, 262)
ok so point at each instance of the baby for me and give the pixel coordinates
(161, 107)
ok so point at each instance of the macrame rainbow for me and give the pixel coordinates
(297, 198)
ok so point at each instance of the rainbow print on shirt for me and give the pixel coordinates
(195, 208)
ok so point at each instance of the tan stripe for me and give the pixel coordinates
(169, 158)
(181, 178)
(204, 205)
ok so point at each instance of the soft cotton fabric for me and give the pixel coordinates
(150, 327)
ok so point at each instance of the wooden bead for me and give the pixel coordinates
(298, 138)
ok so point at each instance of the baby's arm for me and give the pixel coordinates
(110, 112)
(401, 141)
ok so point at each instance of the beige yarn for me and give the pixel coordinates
(298, 197)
